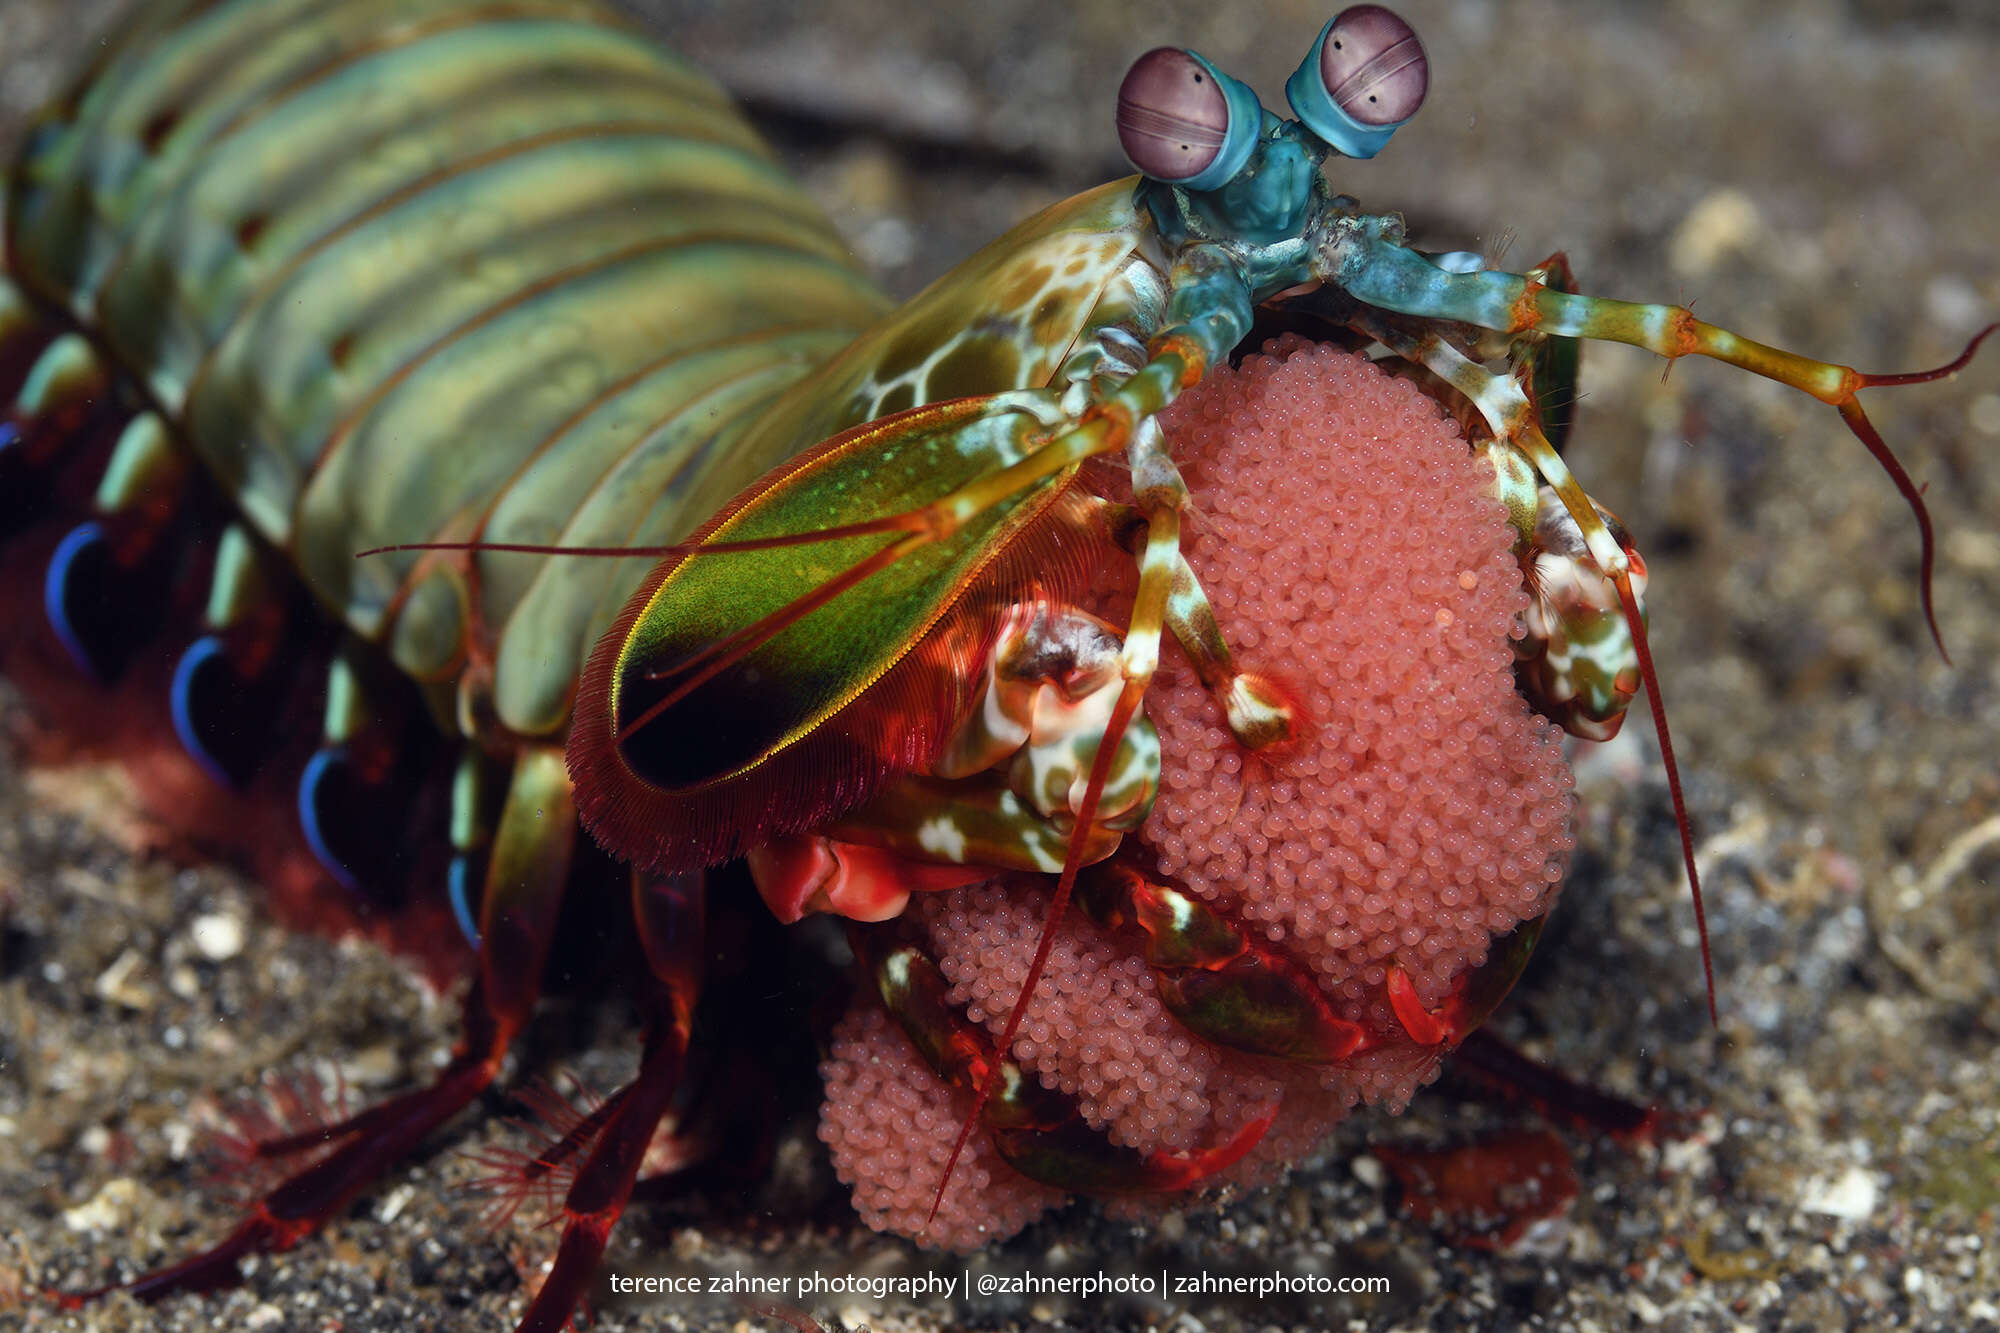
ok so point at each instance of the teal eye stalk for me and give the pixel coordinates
(1361, 80)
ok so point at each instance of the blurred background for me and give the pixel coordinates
(1819, 174)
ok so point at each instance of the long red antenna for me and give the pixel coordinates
(1864, 430)
(1086, 815)
(1644, 650)
(906, 522)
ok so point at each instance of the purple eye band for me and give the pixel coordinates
(1376, 92)
(1164, 126)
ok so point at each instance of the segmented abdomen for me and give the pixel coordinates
(409, 270)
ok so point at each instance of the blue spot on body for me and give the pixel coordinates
(200, 653)
(318, 768)
(458, 882)
(76, 545)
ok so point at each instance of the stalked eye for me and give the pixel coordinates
(1365, 76)
(1374, 66)
(1185, 122)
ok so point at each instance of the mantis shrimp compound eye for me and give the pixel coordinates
(1363, 78)
(1182, 121)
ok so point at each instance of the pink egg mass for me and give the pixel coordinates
(1352, 547)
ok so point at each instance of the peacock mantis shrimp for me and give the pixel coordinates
(1605, 555)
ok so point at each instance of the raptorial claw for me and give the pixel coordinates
(801, 874)
(1475, 997)
(1038, 1131)
(1576, 663)
(1217, 981)
(1074, 1156)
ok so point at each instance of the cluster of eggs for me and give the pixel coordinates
(1353, 550)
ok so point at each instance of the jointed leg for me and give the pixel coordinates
(1377, 268)
(670, 915)
(525, 879)
(1512, 417)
